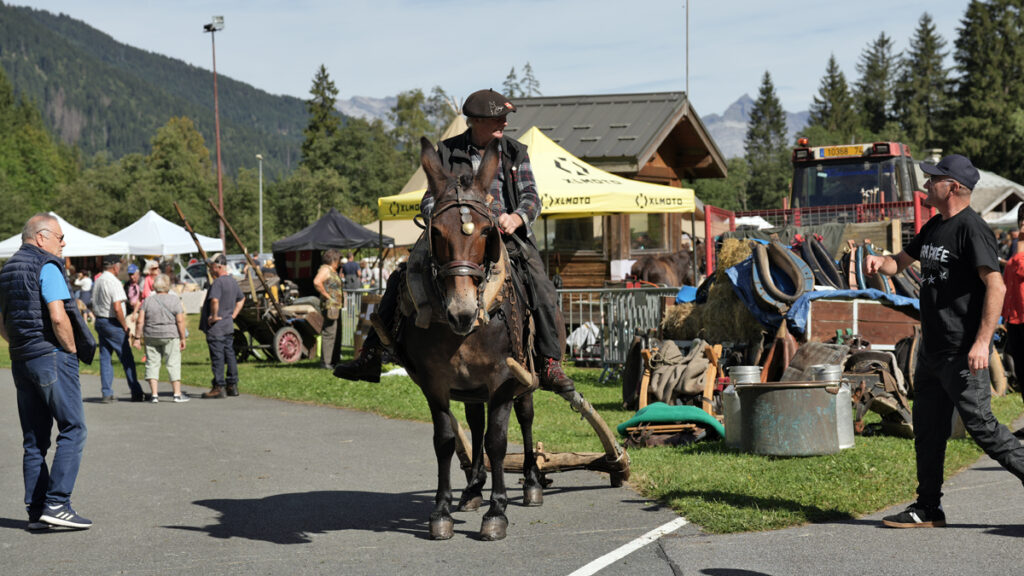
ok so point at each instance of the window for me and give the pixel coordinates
(571, 234)
(647, 232)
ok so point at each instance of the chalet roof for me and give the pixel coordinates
(621, 132)
(991, 190)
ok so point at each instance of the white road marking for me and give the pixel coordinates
(628, 548)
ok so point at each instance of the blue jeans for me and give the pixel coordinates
(942, 383)
(48, 390)
(112, 337)
(222, 352)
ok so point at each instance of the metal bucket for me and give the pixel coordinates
(744, 374)
(731, 403)
(733, 418)
(833, 373)
(789, 418)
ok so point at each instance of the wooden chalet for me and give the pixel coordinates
(654, 137)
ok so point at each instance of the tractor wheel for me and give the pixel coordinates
(241, 345)
(288, 345)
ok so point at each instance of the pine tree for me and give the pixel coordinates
(319, 147)
(511, 84)
(530, 85)
(766, 151)
(874, 89)
(832, 109)
(922, 89)
(988, 123)
(409, 120)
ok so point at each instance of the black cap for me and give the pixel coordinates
(955, 166)
(487, 104)
(111, 259)
(219, 259)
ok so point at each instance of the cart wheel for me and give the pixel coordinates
(288, 345)
(241, 345)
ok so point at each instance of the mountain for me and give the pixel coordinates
(368, 108)
(730, 128)
(105, 96)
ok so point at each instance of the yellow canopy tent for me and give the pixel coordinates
(569, 188)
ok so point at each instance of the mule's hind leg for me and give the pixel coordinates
(495, 523)
(533, 489)
(476, 476)
(442, 526)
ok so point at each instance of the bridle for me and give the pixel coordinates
(480, 273)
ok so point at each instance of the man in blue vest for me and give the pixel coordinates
(47, 335)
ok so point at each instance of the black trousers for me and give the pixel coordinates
(549, 341)
(942, 384)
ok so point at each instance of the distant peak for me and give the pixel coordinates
(740, 109)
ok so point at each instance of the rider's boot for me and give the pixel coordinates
(366, 366)
(553, 378)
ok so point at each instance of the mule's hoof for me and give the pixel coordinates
(533, 496)
(442, 528)
(493, 528)
(470, 503)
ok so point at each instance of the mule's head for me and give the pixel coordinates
(464, 238)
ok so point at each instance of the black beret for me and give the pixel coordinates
(487, 104)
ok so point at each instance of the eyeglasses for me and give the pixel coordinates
(59, 238)
(933, 180)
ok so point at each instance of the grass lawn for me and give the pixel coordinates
(721, 490)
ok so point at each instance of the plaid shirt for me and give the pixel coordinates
(529, 202)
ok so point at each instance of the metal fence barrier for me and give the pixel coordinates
(618, 314)
(350, 316)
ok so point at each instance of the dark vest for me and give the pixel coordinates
(26, 317)
(454, 153)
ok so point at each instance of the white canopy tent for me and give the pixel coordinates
(79, 242)
(155, 235)
(1006, 220)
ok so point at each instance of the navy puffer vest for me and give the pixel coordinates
(26, 317)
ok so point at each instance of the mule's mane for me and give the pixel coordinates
(452, 183)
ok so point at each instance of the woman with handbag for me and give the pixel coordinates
(329, 285)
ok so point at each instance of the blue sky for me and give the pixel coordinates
(382, 47)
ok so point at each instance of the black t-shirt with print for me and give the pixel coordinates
(952, 293)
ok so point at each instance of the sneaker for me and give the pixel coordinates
(63, 515)
(107, 400)
(182, 398)
(139, 397)
(155, 398)
(917, 516)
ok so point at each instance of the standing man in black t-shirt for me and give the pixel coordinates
(961, 297)
(223, 302)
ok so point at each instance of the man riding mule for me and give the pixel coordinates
(513, 202)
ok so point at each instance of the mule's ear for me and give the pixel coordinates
(432, 166)
(488, 167)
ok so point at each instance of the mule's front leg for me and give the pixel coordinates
(442, 526)
(476, 476)
(495, 523)
(533, 489)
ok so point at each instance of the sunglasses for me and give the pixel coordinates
(59, 238)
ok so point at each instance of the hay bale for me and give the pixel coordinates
(723, 317)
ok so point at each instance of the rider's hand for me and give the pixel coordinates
(509, 222)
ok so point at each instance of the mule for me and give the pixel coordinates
(466, 357)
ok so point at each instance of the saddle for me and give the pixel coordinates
(419, 300)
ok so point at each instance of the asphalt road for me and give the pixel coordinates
(255, 486)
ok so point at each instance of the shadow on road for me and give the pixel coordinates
(293, 518)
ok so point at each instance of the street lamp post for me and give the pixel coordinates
(260, 158)
(217, 24)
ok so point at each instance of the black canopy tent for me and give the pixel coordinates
(298, 256)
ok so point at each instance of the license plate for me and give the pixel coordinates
(837, 151)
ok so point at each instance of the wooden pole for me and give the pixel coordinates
(202, 252)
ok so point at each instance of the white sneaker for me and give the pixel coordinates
(156, 398)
